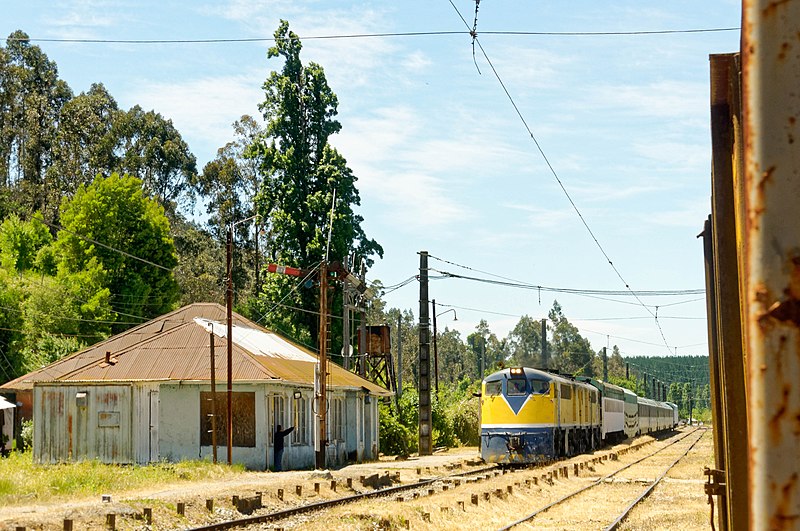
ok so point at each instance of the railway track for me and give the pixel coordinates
(599, 493)
(318, 506)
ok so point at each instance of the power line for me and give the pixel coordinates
(376, 35)
(576, 291)
(555, 175)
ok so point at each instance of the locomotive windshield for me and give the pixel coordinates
(494, 388)
(517, 387)
(539, 387)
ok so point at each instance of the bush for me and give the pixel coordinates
(26, 434)
(396, 439)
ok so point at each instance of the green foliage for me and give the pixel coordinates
(396, 438)
(20, 241)
(300, 173)
(115, 211)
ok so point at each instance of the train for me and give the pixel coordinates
(530, 415)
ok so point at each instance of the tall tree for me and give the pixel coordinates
(572, 353)
(300, 173)
(85, 141)
(525, 343)
(31, 97)
(151, 148)
(115, 212)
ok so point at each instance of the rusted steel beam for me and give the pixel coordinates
(771, 77)
(726, 141)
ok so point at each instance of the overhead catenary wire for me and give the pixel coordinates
(555, 175)
(234, 40)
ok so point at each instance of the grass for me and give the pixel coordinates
(22, 480)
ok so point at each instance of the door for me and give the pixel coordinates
(154, 425)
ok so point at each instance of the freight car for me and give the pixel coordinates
(530, 415)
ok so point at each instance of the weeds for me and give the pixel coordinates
(22, 480)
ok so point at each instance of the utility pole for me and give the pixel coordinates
(346, 303)
(483, 357)
(322, 407)
(627, 372)
(399, 356)
(435, 350)
(213, 396)
(229, 309)
(605, 365)
(425, 421)
(545, 355)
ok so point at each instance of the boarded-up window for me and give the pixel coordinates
(244, 418)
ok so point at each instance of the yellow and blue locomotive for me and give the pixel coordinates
(528, 415)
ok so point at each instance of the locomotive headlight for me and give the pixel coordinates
(516, 371)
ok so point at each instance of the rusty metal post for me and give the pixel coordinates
(727, 220)
(323, 366)
(771, 77)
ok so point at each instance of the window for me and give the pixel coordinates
(277, 415)
(494, 388)
(539, 387)
(244, 418)
(300, 433)
(566, 392)
(517, 387)
(336, 420)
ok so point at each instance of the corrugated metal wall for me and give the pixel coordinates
(83, 422)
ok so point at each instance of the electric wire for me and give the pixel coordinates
(557, 178)
(379, 34)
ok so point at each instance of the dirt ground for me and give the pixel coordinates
(685, 491)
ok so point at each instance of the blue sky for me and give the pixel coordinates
(443, 161)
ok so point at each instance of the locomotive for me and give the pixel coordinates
(529, 415)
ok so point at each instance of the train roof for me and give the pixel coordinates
(600, 383)
(506, 373)
(651, 402)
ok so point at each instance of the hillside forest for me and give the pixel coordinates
(99, 232)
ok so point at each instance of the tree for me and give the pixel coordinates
(111, 221)
(229, 184)
(31, 98)
(85, 140)
(572, 353)
(150, 148)
(300, 174)
(525, 343)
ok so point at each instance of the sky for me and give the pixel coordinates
(558, 155)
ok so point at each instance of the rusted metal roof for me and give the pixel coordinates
(176, 347)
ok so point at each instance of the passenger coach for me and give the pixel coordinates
(528, 415)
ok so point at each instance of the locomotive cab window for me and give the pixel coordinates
(539, 387)
(517, 387)
(494, 388)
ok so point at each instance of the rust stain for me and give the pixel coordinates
(766, 177)
(775, 423)
(783, 517)
(772, 9)
(785, 49)
(787, 311)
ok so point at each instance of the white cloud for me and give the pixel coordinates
(202, 109)
(676, 100)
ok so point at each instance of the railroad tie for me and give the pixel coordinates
(148, 515)
(181, 509)
(298, 490)
(67, 524)
(210, 504)
(111, 521)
